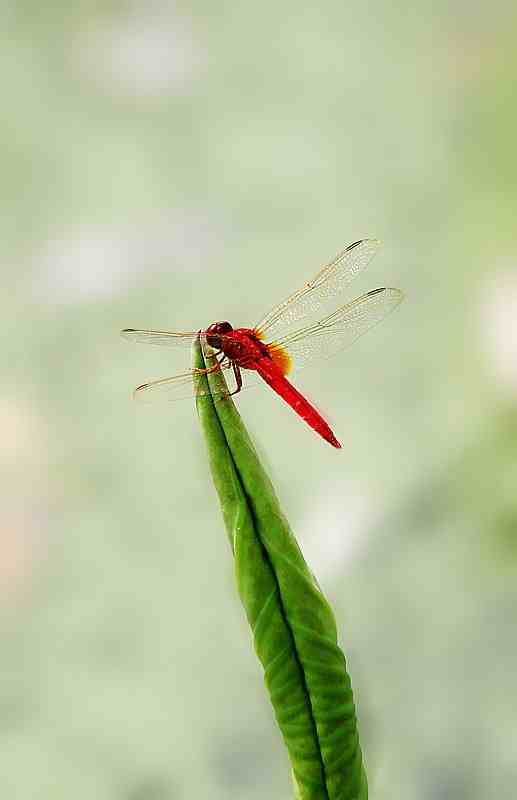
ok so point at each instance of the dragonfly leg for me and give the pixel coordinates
(238, 378)
(215, 367)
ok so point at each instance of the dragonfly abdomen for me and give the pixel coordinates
(272, 375)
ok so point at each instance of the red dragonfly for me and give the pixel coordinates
(272, 348)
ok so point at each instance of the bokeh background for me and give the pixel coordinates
(169, 164)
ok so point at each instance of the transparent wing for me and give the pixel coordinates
(337, 331)
(177, 387)
(328, 282)
(305, 346)
(167, 338)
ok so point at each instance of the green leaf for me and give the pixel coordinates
(293, 626)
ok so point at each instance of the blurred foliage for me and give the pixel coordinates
(166, 165)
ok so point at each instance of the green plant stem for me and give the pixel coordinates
(293, 626)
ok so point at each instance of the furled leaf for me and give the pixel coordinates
(293, 626)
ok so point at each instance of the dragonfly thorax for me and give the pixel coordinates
(215, 331)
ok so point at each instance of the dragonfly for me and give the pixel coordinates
(281, 343)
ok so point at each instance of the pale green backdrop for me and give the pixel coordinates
(170, 164)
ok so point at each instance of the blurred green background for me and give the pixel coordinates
(168, 165)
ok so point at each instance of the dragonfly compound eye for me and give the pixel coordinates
(215, 331)
(222, 327)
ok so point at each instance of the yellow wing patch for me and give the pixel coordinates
(279, 355)
(281, 358)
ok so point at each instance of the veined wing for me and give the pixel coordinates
(167, 338)
(176, 387)
(327, 283)
(337, 331)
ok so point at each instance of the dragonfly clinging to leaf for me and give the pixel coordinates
(276, 345)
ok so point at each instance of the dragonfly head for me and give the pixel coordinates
(215, 331)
